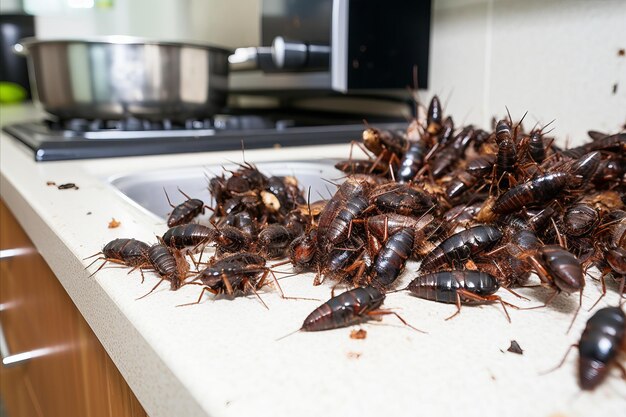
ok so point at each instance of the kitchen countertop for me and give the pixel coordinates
(221, 357)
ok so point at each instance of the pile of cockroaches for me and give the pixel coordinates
(480, 210)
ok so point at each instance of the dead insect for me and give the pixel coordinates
(599, 345)
(190, 234)
(460, 247)
(536, 191)
(351, 307)
(184, 212)
(392, 257)
(128, 252)
(458, 287)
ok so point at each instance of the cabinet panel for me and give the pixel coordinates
(74, 376)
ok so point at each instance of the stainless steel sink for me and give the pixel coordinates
(146, 188)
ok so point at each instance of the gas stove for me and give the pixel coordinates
(55, 140)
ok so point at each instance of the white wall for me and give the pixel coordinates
(556, 59)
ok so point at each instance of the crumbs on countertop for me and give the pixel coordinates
(515, 348)
(114, 223)
(358, 334)
(68, 186)
(354, 355)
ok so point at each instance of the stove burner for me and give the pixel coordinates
(53, 140)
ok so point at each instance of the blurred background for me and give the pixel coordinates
(556, 59)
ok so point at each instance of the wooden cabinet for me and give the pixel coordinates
(73, 375)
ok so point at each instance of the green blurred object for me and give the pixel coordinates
(12, 93)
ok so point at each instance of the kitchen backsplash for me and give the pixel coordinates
(556, 59)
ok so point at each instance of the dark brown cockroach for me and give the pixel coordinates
(446, 132)
(447, 157)
(481, 165)
(536, 191)
(296, 223)
(536, 147)
(616, 258)
(584, 168)
(329, 222)
(579, 220)
(273, 241)
(241, 272)
(185, 212)
(610, 171)
(458, 287)
(507, 153)
(188, 235)
(392, 257)
(230, 239)
(558, 268)
(343, 264)
(244, 222)
(412, 161)
(459, 185)
(401, 199)
(170, 265)
(303, 252)
(366, 166)
(384, 225)
(461, 246)
(128, 252)
(351, 307)
(217, 188)
(462, 214)
(340, 228)
(434, 116)
(599, 346)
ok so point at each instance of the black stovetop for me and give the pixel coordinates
(54, 140)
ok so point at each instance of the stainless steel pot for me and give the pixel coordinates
(116, 77)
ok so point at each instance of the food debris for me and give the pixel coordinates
(68, 186)
(88, 213)
(354, 355)
(358, 334)
(621, 52)
(615, 88)
(51, 183)
(515, 348)
(114, 223)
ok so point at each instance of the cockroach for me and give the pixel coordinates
(434, 116)
(446, 132)
(609, 171)
(458, 287)
(507, 153)
(462, 213)
(392, 257)
(356, 166)
(461, 246)
(536, 147)
(349, 308)
(128, 252)
(558, 268)
(585, 167)
(481, 165)
(384, 225)
(579, 220)
(536, 191)
(185, 212)
(342, 264)
(244, 222)
(412, 161)
(238, 273)
(401, 199)
(616, 258)
(379, 141)
(303, 251)
(445, 159)
(166, 264)
(186, 235)
(230, 239)
(459, 185)
(273, 240)
(600, 344)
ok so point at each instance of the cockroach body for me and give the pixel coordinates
(128, 252)
(538, 190)
(392, 257)
(434, 116)
(412, 161)
(457, 287)
(460, 247)
(579, 220)
(166, 265)
(346, 309)
(186, 235)
(558, 268)
(601, 341)
(273, 240)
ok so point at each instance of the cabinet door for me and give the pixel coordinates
(71, 374)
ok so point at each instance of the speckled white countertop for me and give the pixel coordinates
(221, 358)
